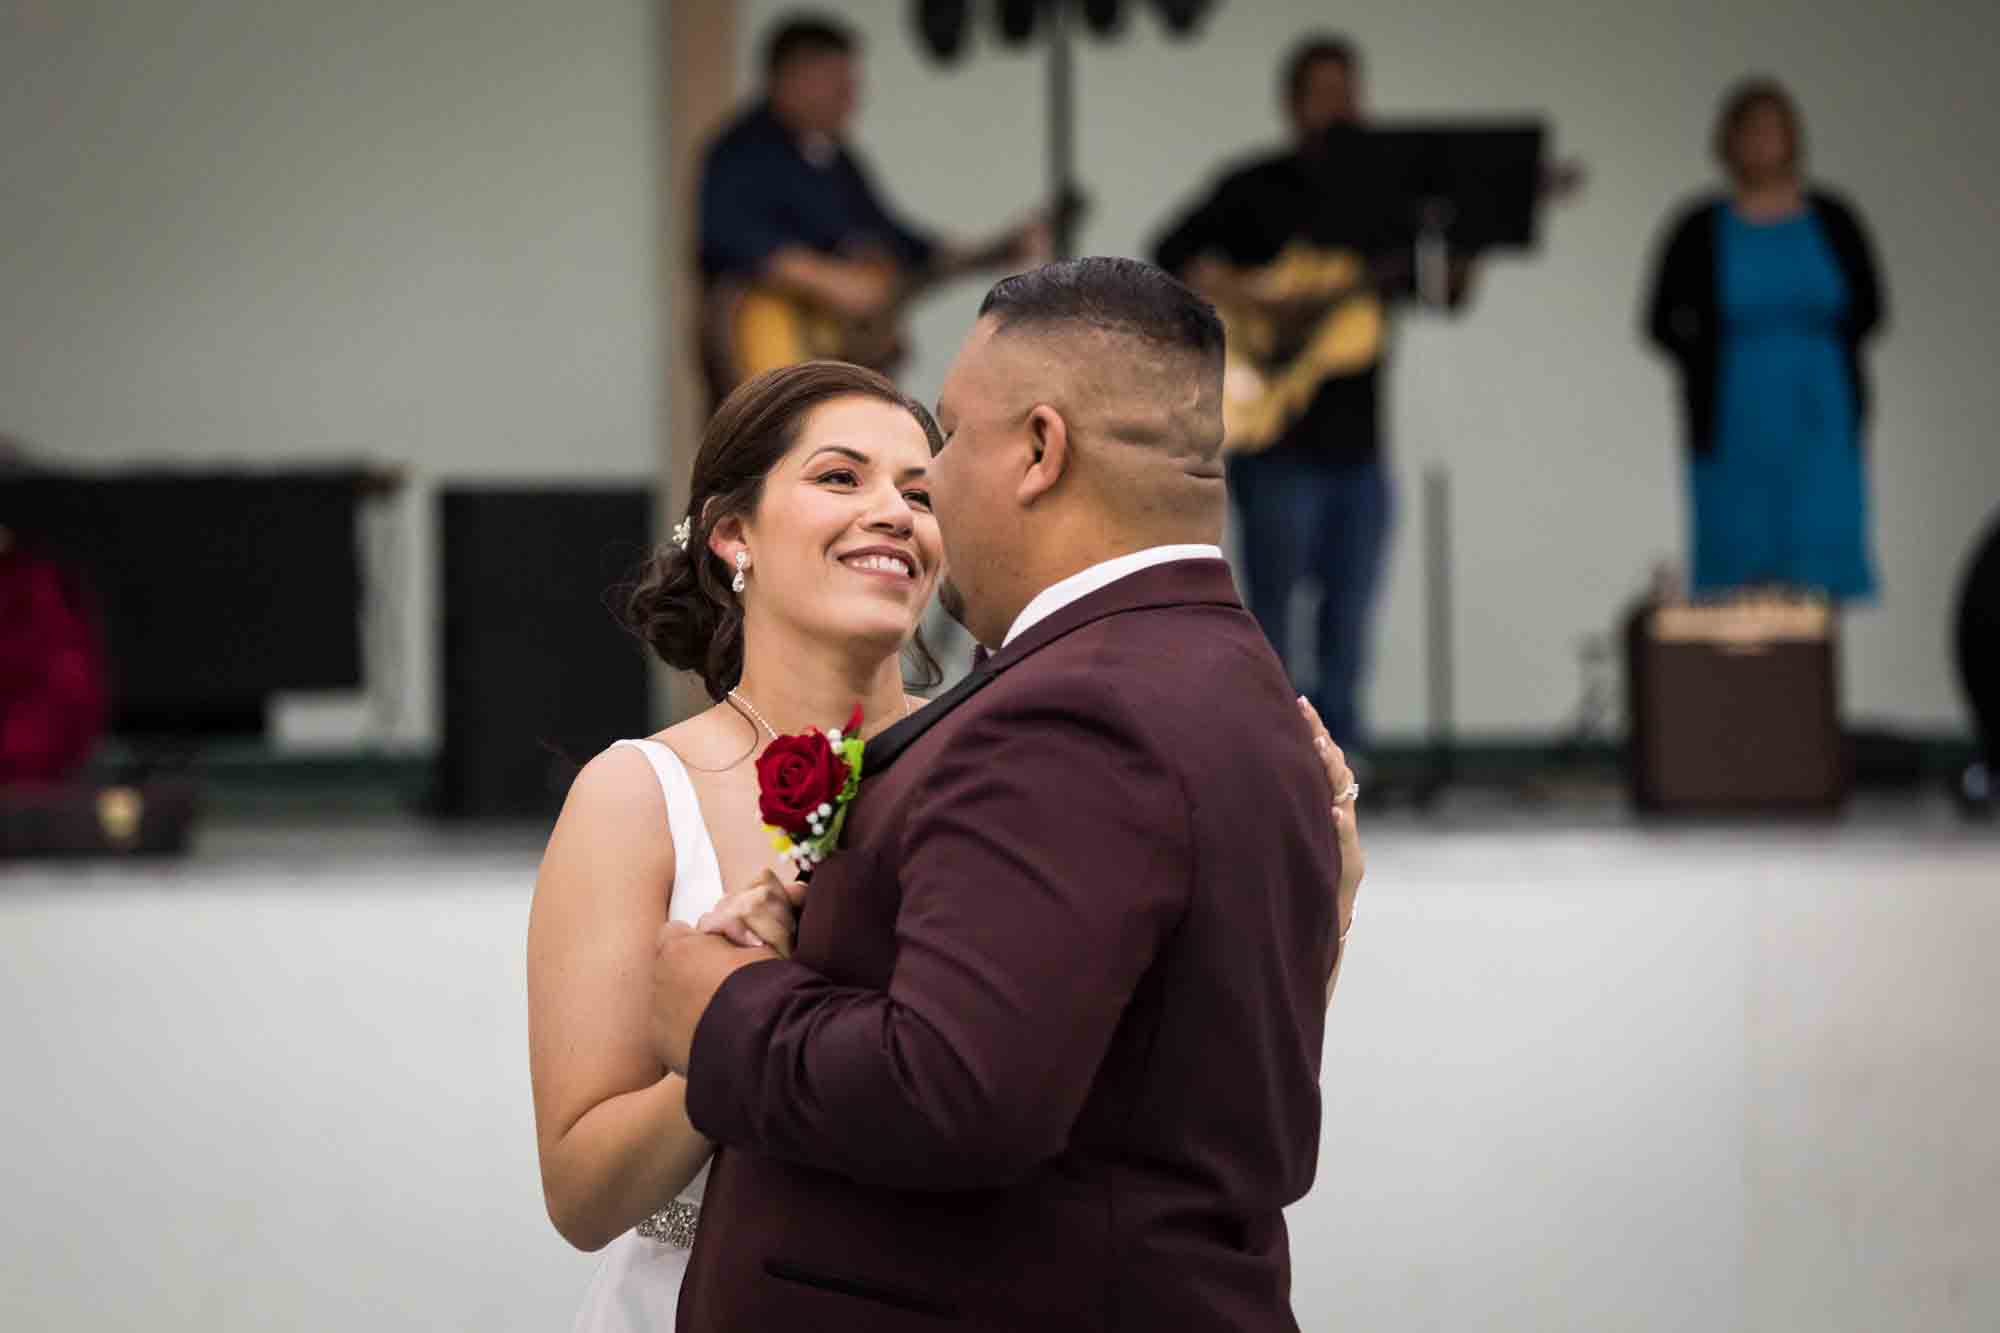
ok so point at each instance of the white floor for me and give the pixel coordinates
(1578, 1077)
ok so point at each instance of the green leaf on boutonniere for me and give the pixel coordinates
(851, 749)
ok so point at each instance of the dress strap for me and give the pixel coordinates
(683, 808)
(698, 876)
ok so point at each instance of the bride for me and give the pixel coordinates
(792, 589)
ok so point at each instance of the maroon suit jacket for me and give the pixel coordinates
(1047, 1056)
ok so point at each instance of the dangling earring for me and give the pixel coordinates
(742, 564)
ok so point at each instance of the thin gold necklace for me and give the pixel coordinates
(771, 731)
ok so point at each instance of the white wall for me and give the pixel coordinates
(1558, 427)
(278, 231)
(425, 233)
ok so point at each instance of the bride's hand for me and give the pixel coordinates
(1341, 777)
(764, 915)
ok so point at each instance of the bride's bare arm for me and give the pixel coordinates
(611, 1125)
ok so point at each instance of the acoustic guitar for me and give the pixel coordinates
(1316, 315)
(1312, 314)
(748, 328)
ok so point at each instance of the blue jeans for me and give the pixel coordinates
(1307, 518)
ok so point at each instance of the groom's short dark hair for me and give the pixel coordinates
(1125, 296)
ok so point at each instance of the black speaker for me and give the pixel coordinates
(536, 675)
(216, 589)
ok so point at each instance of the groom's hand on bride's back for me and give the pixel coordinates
(764, 915)
(1339, 780)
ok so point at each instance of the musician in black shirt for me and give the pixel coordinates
(1318, 504)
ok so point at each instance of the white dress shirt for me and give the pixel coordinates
(1085, 582)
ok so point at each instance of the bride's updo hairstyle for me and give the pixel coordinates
(681, 604)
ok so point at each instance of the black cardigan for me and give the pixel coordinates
(1683, 316)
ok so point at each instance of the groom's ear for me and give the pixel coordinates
(1048, 438)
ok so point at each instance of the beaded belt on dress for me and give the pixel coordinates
(673, 1225)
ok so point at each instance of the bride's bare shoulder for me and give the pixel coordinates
(917, 703)
(619, 790)
(711, 740)
(614, 802)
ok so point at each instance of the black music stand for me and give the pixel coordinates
(1476, 183)
(1435, 190)
(1432, 190)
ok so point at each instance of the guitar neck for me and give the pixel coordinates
(914, 282)
(1006, 248)
(990, 255)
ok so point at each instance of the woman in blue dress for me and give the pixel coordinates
(1763, 297)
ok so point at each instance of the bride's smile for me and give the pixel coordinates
(882, 561)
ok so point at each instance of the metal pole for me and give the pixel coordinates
(1062, 124)
(1438, 660)
(696, 90)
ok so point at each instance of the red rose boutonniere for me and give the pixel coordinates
(804, 784)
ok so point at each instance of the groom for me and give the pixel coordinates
(1047, 1053)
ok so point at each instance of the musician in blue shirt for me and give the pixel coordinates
(786, 204)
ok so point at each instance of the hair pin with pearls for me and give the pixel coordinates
(683, 533)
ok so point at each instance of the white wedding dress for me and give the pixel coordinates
(637, 1286)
